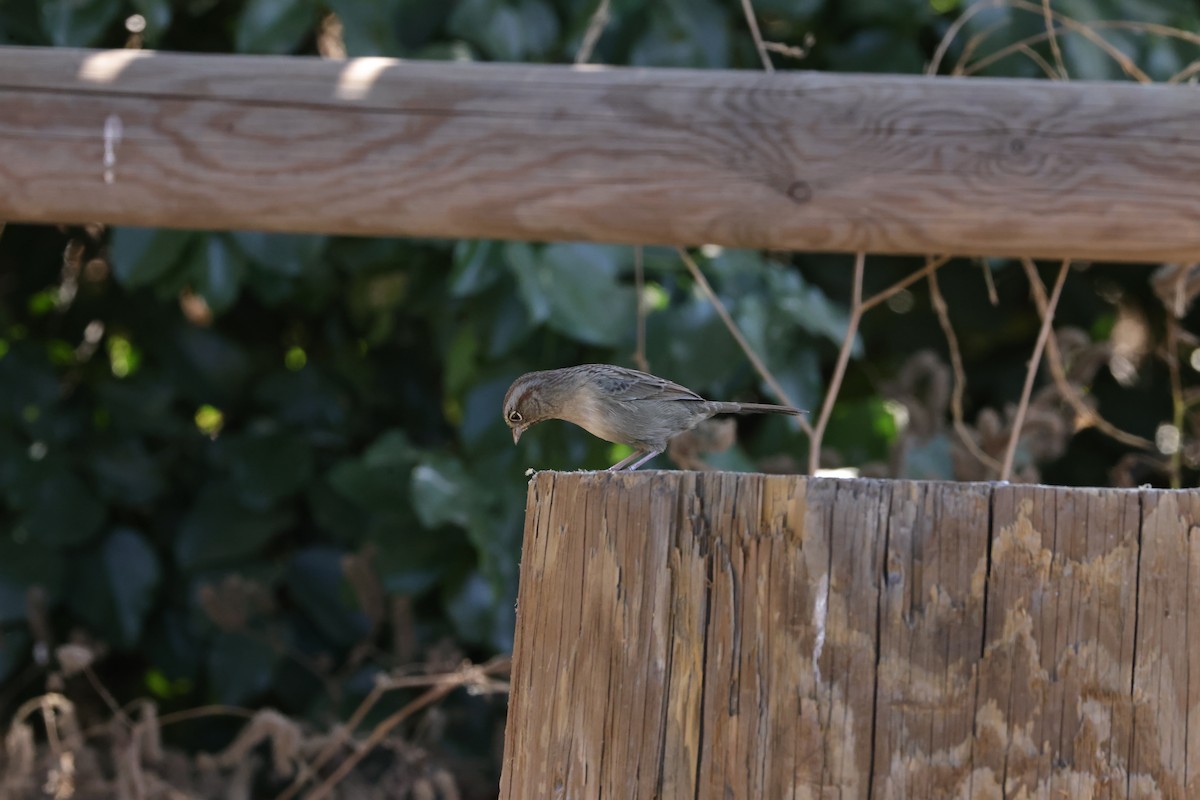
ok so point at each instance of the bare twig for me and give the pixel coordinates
(1185, 74)
(839, 370)
(1048, 17)
(759, 44)
(960, 377)
(1069, 392)
(738, 337)
(931, 266)
(1086, 30)
(468, 675)
(591, 36)
(104, 728)
(952, 32)
(993, 298)
(1010, 452)
(106, 696)
(1178, 403)
(639, 277)
(973, 44)
(1036, 58)
(789, 50)
(1151, 28)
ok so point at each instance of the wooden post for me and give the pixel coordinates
(719, 635)
(785, 161)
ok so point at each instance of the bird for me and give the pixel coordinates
(617, 404)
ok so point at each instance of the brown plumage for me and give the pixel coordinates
(618, 405)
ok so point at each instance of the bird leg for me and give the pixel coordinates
(626, 461)
(644, 459)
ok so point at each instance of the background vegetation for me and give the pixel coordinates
(257, 470)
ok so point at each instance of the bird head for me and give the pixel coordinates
(525, 405)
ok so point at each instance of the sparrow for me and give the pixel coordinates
(618, 405)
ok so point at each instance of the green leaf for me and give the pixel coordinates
(307, 398)
(412, 560)
(516, 31)
(317, 585)
(576, 289)
(134, 575)
(140, 404)
(684, 33)
(268, 467)
(288, 255)
(480, 616)
(15, 650)
(240, 667)
(274, 26)
(22, 567)
(928, 460)
(441, 491)
(141, 256)
(690, 344)
(378, 480)
(77, 23)
(878, 50)
(217, 271)
(60, 511)
(522, 262)
(508, 323)
(125, 473)
(482, 411)
(113, 586)
(219, 527)
(368, 29)
(208, 366)
(808, 306)
(477, 266)
(391, 449)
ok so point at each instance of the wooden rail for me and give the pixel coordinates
(712, 636)
(793, 161)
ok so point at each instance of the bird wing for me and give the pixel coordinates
(625, 384)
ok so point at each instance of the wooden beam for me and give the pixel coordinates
(791, 161)
(716, 635)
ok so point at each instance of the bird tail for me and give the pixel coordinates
(757, 408)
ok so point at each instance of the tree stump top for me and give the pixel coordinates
(722, 635)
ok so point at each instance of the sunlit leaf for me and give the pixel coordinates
(441, 491)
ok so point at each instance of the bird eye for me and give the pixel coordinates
(515, 416)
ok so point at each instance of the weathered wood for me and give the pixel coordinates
(789, 161)
(720, 635)
(1165, 752)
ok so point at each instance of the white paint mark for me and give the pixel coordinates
(113, 131)
(820, 609)
(107, 65)
(359, 75)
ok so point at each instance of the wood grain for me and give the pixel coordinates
(790, 161)
(720, 635)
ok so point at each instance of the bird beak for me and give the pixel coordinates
(517, 434)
